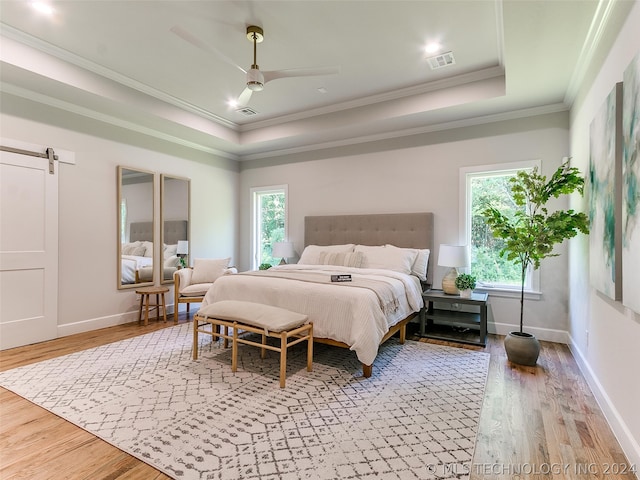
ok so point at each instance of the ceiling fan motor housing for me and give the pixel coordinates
(255, 79)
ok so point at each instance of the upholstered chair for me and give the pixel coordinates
(192, 283)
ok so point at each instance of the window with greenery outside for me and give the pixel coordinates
(487, 265)
(272, 224)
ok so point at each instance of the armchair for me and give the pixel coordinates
(191, 284)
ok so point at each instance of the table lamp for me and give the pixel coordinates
(182, 251)
(283, 250)
(452, 256)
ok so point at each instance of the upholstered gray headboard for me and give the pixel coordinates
(407, 230)
(175, 230)
(141, 231)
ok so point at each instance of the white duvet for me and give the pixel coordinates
(343, 313)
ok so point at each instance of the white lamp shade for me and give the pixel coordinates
(282, 250)
(453, 256)
(183, 247)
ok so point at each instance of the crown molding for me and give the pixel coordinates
(66, 56)
(111, 120)
(589, 48)
(466, 122)
(443, 83)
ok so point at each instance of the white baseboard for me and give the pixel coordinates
(545, 334)
(629, 444)
(67, 329)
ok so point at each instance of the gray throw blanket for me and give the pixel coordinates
(388, 302)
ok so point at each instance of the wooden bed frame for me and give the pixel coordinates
(406, 230)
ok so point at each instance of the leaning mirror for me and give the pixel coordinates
(174, 226)
(135, 227)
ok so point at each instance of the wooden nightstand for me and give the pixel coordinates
(441, 324)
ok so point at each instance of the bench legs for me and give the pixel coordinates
(219, 329)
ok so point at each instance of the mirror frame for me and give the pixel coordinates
(121, 168)
(163, 188)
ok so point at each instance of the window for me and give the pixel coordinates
(490, 185)
(268, 222)
(123, 220)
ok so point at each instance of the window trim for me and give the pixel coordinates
(466, 173)
(254, 193)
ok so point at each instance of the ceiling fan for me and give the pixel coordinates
(255, 78)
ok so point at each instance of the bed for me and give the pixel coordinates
(359, 315)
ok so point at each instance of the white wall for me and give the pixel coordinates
(88, 294)
(425, 178)
(605, 336)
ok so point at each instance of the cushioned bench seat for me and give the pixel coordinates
(266, 320)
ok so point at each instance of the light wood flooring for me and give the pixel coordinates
(537, 422)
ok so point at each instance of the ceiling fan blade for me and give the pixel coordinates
(195, 41)
(244, 97)
(299, 72)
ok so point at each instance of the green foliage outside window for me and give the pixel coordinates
(272, 218)
(487, 265)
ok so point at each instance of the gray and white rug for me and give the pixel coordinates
(416, 417)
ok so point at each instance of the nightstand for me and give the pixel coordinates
(441, 324)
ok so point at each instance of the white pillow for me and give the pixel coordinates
(171, 261)
(388, 258)
(148, 248)
(311, 253)
(130, 248)
(207, 270)
(170, 250)
(420, 264)
(349, 259)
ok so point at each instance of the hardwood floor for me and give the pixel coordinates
(537, 422)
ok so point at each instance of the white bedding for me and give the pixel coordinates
(343, 313)
(131, 263)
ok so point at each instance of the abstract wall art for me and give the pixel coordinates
(631, 186)
(605, 196)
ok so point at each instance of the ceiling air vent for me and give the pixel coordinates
(442, 60)
(246, 111)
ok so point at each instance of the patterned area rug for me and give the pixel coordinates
(416, 417)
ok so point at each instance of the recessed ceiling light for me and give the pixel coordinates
(233, 103)
(42, 7)
(432, 47)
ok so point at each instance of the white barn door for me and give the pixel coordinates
(28, 250)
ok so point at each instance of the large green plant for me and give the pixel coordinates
(531, 232)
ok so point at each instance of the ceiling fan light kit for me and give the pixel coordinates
(255, 79)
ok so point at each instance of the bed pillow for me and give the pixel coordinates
(388, 258)
(349, 259)
(170, 250)
(420, 264)
(172, 261)
(207, 270)
(311, 253)
(148, 248)
(133, 248)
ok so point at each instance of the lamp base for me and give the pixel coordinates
(449, 282)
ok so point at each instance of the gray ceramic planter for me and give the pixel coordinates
(522, 348)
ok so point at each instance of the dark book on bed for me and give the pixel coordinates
(341, 278)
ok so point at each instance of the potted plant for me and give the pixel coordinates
(264, 266)
(465, 283)
(530, 234)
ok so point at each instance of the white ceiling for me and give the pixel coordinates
(119, 62)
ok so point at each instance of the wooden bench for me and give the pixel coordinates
(252, 317)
